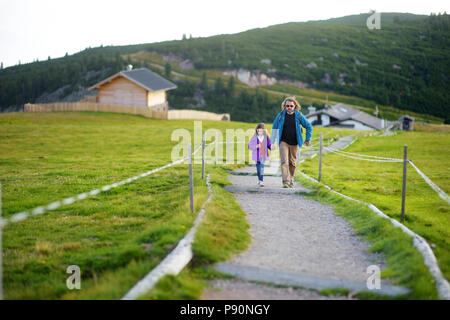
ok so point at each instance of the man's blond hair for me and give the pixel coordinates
(292, 99)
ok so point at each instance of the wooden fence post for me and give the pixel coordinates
(203, 155)
(320, 156)
(216, 151)
(191, 182)
(405, 162)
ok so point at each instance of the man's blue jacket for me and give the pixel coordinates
(300, 121)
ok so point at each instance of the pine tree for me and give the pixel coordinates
(204, 82)
(265, 100)
(167, 70)
(218, 88)
(254, 106)
(230, 87)
(1, 66)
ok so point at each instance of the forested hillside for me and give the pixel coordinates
(405, 64)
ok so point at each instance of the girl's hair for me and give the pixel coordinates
(292, 99)
(261, 125)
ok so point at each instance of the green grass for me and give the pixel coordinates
(118, 236)
(381, 183)
(405, 265)
(115, 237)
(223, 232)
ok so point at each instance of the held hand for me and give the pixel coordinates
(307, 143)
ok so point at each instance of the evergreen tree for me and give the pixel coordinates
(167, 70)
(118, 63)
(218, 87)
(254, 106)
(230, 87)
(265, 99)
(204, 82)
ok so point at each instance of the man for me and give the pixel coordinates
(287, 132)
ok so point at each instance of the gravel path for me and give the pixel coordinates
(243, 290)
(295, 234)
(295, 241)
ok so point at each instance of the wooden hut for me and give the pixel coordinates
(139, 88)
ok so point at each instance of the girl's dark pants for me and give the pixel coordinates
(260, 170)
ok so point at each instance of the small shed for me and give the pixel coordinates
(406, 122)
(138, 88)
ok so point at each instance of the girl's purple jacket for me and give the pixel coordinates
(253, 145)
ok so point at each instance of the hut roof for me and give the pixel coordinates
(343, 112)
(143, 78)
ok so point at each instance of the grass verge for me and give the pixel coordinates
(405, 263)
(223, 232)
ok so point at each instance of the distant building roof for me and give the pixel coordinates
(405, 117)
(343, 112)
(143, 78)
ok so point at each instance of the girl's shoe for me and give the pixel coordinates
(286, 186)
(291, 185)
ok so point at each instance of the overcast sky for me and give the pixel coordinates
(36, 29)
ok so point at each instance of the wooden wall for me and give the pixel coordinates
(156, 98)
(122, 91)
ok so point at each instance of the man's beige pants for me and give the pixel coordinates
(288, 155)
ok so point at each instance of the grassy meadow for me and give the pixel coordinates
(381, 183)
(118, 236)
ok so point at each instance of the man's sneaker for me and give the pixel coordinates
(261, 184)
(286, 186)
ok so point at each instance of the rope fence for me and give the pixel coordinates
(173, 262)
(442, 285)
(21, 216)
(358, 156)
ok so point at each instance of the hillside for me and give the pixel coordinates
(405, 64)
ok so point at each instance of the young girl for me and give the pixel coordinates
(260, 145)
